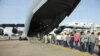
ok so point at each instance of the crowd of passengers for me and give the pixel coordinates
(78, 40)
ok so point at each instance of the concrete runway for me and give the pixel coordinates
(35, 48)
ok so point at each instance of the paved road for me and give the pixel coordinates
(27, 48)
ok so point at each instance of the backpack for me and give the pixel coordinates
(82, 39)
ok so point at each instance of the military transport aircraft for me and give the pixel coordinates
(45, 15)
(14, 26)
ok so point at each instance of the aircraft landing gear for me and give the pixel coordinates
(25, 38)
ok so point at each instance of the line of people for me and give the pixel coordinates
(78, 40)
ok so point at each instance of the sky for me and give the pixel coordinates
(87, 11)
(15, 11)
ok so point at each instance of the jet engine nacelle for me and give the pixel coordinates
(1, 31)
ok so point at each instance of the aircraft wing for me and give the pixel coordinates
(11, 25)
(45, 15)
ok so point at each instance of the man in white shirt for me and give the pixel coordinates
(58, 37)
(64, 40)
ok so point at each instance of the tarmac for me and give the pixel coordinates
(36, 48)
